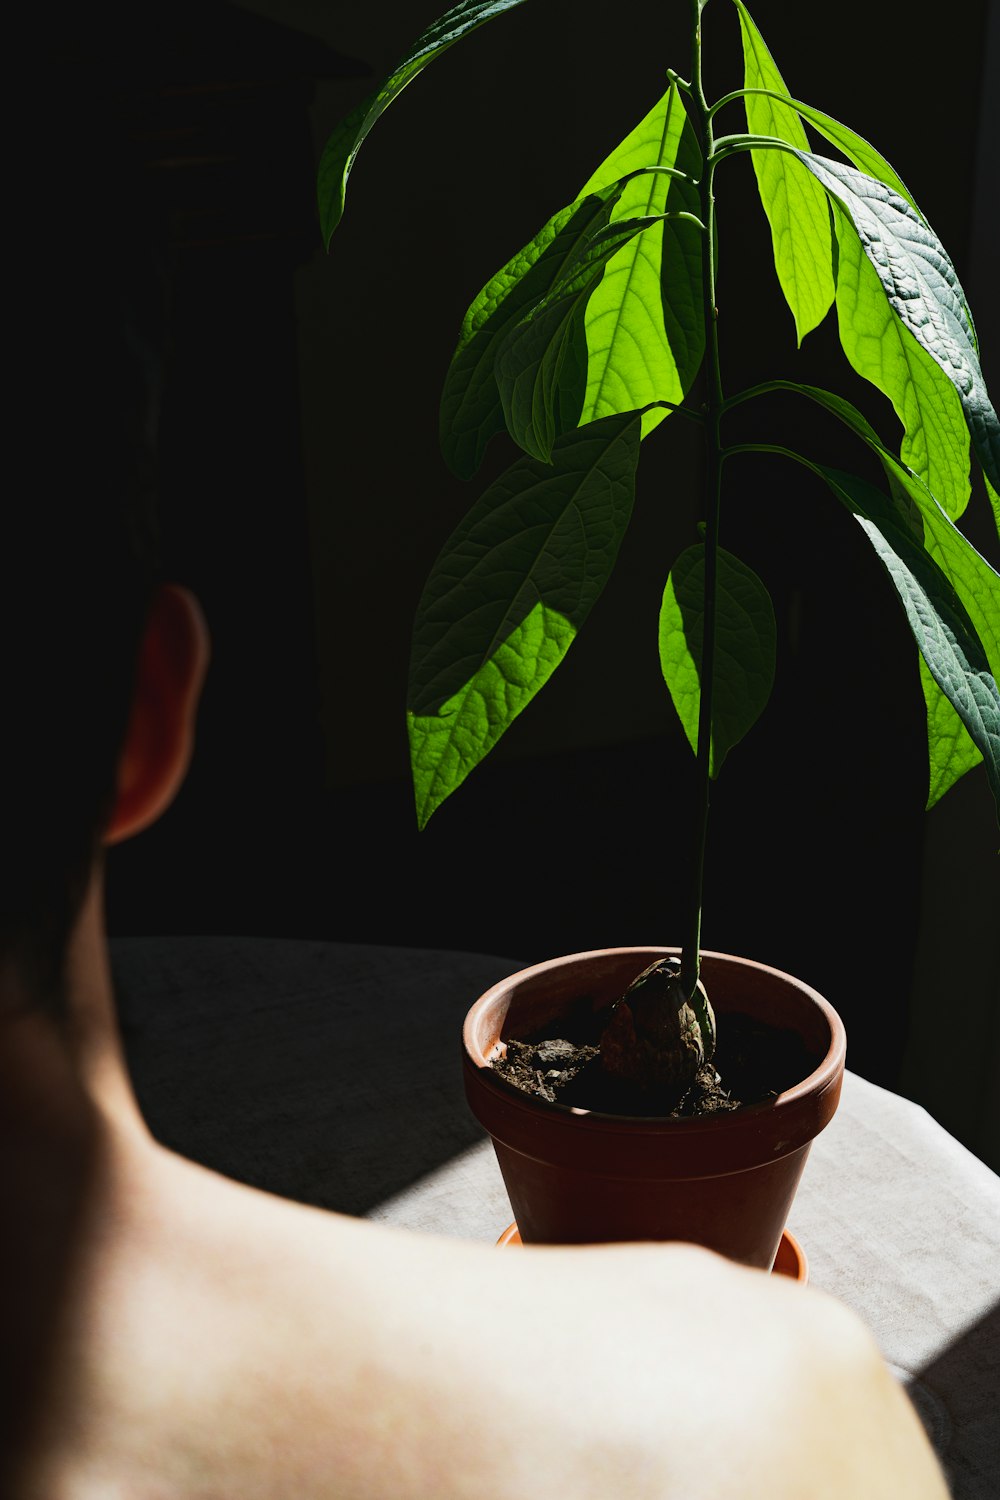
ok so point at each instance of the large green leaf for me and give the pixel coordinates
(471, 409)
(642, 334)
(508, 594)
(343, 145)
(644, 324)
(951, 752)
(541, 369)
(936, 439)
(940, 624)
(744, 648)
(796, 207)
(935, 443)
(922, 288)
(974, 582)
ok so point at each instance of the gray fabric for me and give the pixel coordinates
(261, 1058)
(325, 1072)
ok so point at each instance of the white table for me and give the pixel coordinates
(267, 1059)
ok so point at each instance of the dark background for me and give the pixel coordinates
(304, 500)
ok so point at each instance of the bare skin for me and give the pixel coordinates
(181, 1337)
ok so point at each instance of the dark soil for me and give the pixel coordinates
(753, 1062)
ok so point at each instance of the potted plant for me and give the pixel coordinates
(582, 345)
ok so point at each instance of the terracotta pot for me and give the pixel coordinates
(581, 1177)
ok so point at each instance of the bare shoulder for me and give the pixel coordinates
(800, 1401)
(233, 1343)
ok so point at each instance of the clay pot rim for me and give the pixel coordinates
(824, 1077)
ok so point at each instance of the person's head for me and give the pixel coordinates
(99, 664)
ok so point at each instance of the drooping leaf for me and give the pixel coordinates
(939, 622)
(951, 752)
(343, 145)
(644, 324)
(881, 349)
(745, 636)
(508, 594)
(922, 288)
(974, 580)
(797, 212)
(971, 578)
(541, 369)
(471, 409)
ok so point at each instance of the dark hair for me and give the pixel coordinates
(77, 529)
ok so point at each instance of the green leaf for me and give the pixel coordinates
(857, 150)
(968, 575)
(644, 327)
(648, 300)
(975, 581)
(796, 209)
(950, 750)
(994, 500)
(883, 351)
(343, 145)
(511, 588)
(922, 288)
(471, 409)
(541, 368)
(935, 443)
(744, 648)
(938, 620)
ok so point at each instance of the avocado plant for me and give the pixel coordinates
(604, 326)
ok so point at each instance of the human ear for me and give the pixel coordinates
(159, 741)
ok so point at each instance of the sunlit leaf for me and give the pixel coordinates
(507, 595)
(951, 752)
(796, 207)
(744, 648)
(936, 440)
(994, 500)
(644, 324)
(541, 369)
(922, 288)
(343, 145)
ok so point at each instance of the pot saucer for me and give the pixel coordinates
(789, 1261)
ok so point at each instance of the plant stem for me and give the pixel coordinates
(691, 952)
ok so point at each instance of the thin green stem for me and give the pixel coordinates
(730, 145)
(773, 448)
(683, 215)
(663, 171)
(765, 388)
(691, 952)
(727, 99)
(684, 411)
(747, 93)
(738, 448)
